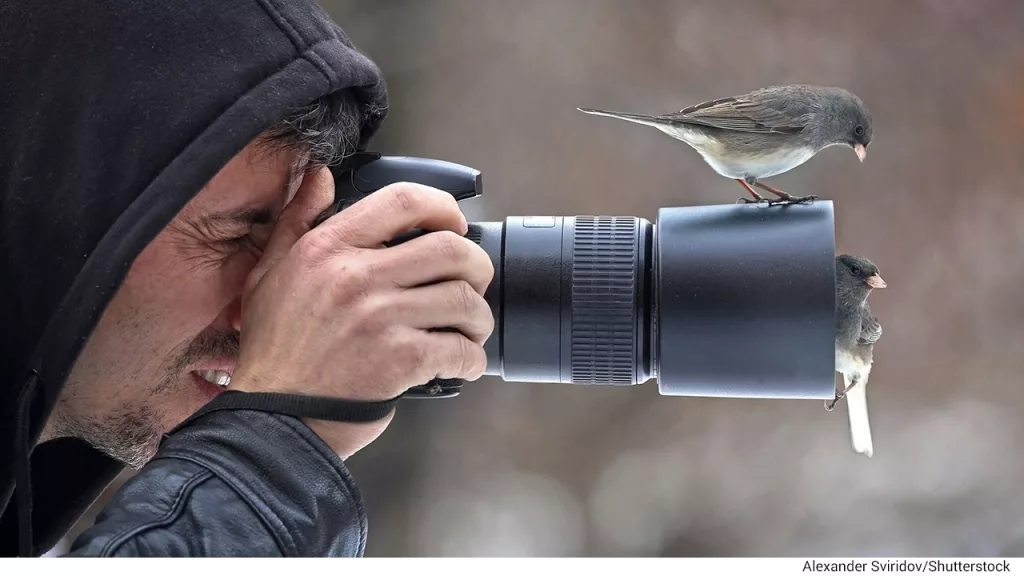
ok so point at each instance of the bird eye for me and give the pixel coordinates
(855, 270)
(859, 130)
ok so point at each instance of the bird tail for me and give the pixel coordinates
(857, 406)
(644, 119)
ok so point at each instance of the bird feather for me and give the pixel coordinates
(857, 408)
(870, 328)
(768, 114)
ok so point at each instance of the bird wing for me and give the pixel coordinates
(870, 328)
(765, 112)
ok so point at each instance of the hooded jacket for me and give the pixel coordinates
(113, 115)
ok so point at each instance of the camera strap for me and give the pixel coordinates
(322, 407)
(300, 406)
(297, 405)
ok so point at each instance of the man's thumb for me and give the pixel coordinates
(315, 194)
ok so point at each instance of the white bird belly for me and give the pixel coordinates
(711, 150)
(845, 363)
(763, 166)
(738, 167)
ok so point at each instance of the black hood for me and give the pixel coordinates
(113, 115)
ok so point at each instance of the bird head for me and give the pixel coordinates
(851, 121)
(857, 274)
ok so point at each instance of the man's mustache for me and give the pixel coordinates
(210, 344)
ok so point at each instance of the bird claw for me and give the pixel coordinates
(839, 396)
(830, 405)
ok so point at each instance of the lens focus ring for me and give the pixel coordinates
(604, 293)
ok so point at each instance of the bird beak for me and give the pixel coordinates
(875, 281)
(861, 151)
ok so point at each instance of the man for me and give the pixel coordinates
(161, 164)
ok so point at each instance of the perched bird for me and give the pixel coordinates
(857, 332)
(765, 132)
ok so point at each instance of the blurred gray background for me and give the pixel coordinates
(547, 470)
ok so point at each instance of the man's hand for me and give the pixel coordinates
(331, 312)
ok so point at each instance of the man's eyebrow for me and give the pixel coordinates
(235, 219)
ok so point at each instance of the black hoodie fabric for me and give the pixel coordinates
(113, 115)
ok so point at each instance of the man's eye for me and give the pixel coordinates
(253, 242)
(245, 242)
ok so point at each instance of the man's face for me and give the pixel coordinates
(172, 329)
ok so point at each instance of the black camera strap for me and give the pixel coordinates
(322, 407)
(299, 406)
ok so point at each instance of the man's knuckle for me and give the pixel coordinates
(310, 248)
(478, 363)
(372, 318)
(354, 280)
(469, 357)
(464, 350)
(464, 298)
(486, 265)
(486, 318)
(405, 197)
(451, 246)
(448, 202)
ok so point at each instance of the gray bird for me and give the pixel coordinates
(765, 132)
(857, 332)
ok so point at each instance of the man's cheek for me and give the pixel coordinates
(195, 300)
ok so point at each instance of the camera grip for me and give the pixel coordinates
(366, 172)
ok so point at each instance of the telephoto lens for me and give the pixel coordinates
(733, 300)
(724, 301)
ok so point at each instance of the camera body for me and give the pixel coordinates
(725, 301)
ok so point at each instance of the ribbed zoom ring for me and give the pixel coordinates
(604, 293)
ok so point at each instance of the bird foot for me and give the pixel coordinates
(831, 404)
(760, 200)
(784, 197)
(781, 201)
(792, 200)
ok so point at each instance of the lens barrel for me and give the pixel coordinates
(725, 301)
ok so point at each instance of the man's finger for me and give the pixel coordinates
(314, 195)
(459, 357)
(454, 304)
(437, 257)
(393, 211)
